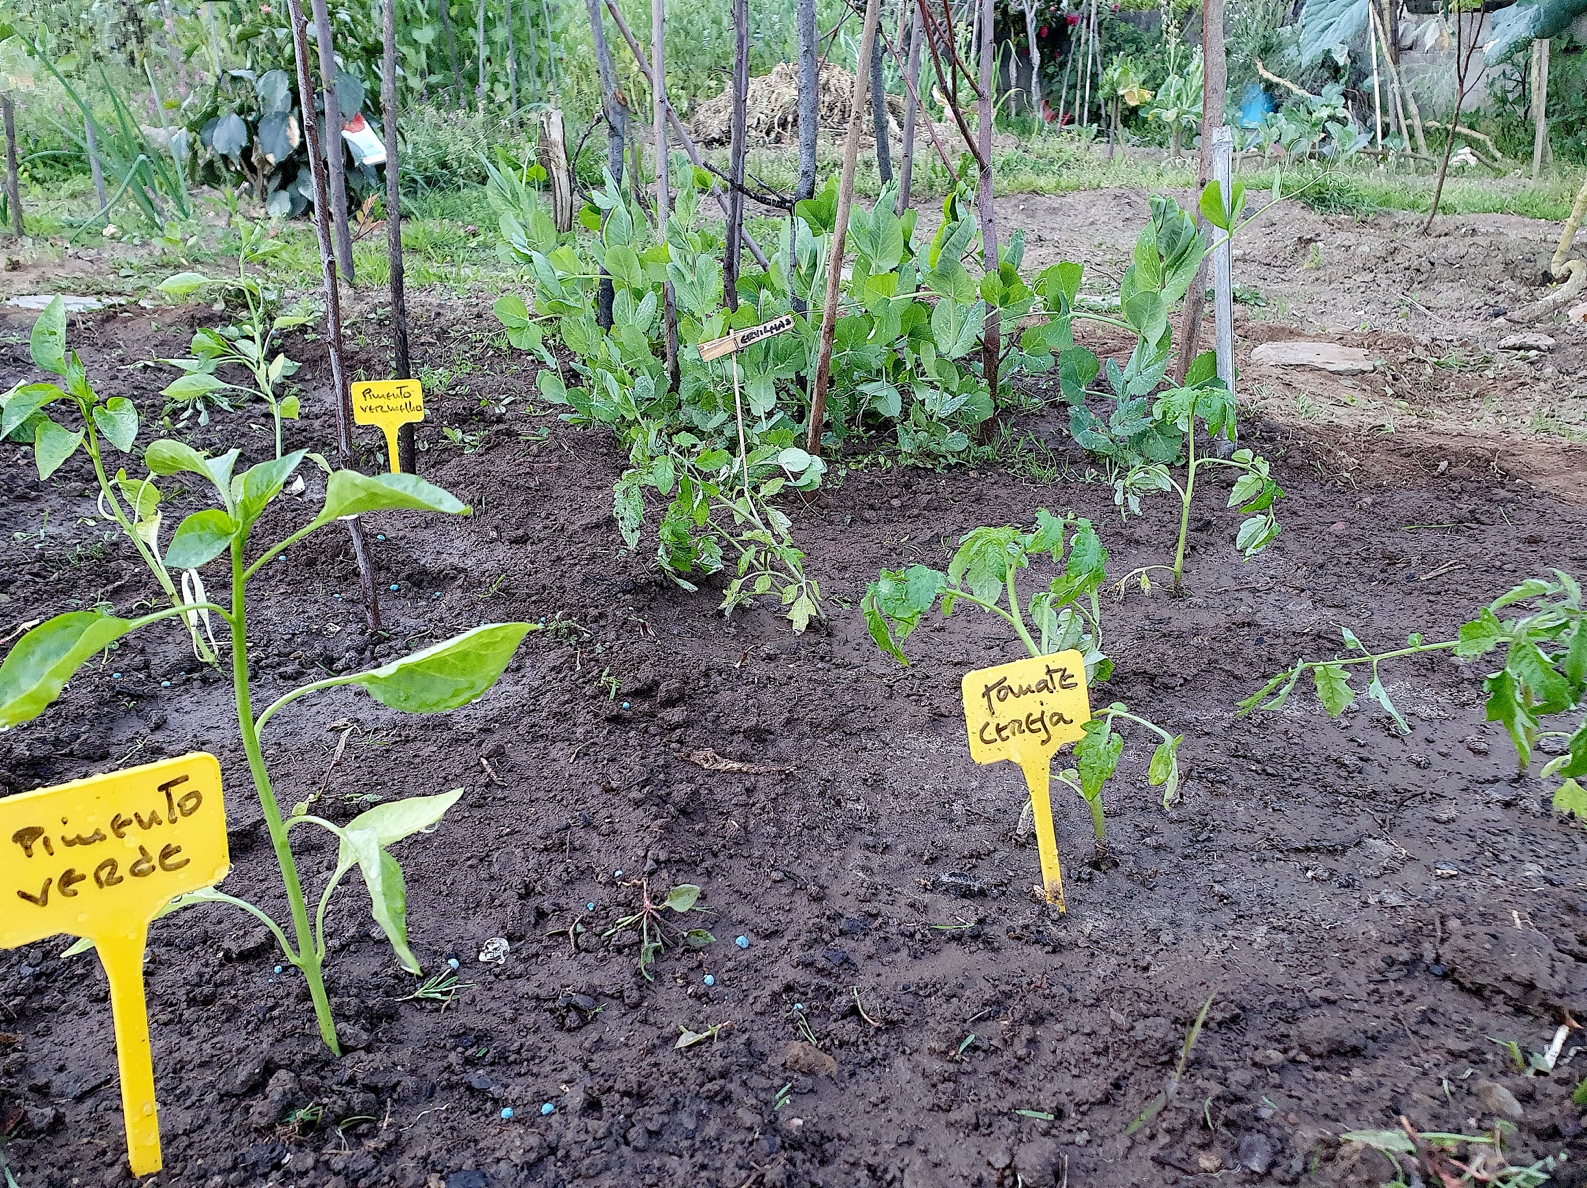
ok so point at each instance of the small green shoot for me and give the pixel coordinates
(1162, 1100)
(443, 987)
(655, 930)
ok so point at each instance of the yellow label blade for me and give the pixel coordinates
(99, 858)
(389, 404)
(1024, 712)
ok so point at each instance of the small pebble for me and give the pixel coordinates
(393, 585)
(278, 969)
(165, 684)
(506, 1111)
(338, 597)
(617, 874)
(709, 980)
(115, 676)
(452, 961)
(589, 907)
(741, 941)
(546, 1109)
(625, 705)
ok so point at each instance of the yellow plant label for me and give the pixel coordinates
(389, 404)
(1024, 712)
(98, 858)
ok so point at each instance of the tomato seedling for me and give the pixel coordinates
(1544, 674)
(1066, 615)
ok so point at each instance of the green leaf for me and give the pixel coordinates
(1480, 636)
(511, 311)
(349, 493)
(42, 661)
(52, 445)
(192, 385)
(1333, 689)
(22, 402)
(117, 420)
(895, 602)
(1379, 694)
(682, 897)
(1213, 208)
(184, 284)
(47, 343)
(1570, 799)
(1164, 769)
(698, 938)
(174, 457)
(200, 538)
(289, 408)
(393, 820)
(663, 473)
(1505, 706)
(1519, 25)
(1097, 756)
(447, 675)
(1325, 24)
(261, 483)
(1549, 693)
(1383, 1140)
(388, 893)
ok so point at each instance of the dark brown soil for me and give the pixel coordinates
(1369, 913)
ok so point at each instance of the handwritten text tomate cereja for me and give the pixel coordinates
(139, 841)
(1043, 720)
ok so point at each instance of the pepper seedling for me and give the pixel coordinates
(247, 343)
(1544, 674)
(1066, 615)
(443, 677)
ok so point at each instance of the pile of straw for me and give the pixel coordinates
(773, 108)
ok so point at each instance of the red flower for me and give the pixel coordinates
(1073, 19)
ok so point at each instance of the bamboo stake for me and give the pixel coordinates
(884, 163)
(737, 136)
(1540, 145)
(808, 97)
(13, 188)
(512, 71)
(479, 56)
(658, 90)
(342, 394)
(1214, 82)
(402, 366)
(615, 112)
(906, 168)
(337, 180)
(687, 141)
(829, 311)
(991, 330)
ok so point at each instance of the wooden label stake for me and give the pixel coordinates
(100, 858)
(736, 340)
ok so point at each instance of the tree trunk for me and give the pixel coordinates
(658, 91)
(616, 116)
(809, 97)
(401, 365)
(1540, 146)
(829, 311)
(884, 160)
(1214, 81)
(334, 152)
(13, 188)
(559, 171)
(737, 135)
(1035, 61)
(341, 394)
(451, 50)
(906, 168)
(991, 334)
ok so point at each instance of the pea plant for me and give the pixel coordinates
(654, 929)
(1543, 675)
(1066, 615)
(443, 677)
(250, 343)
